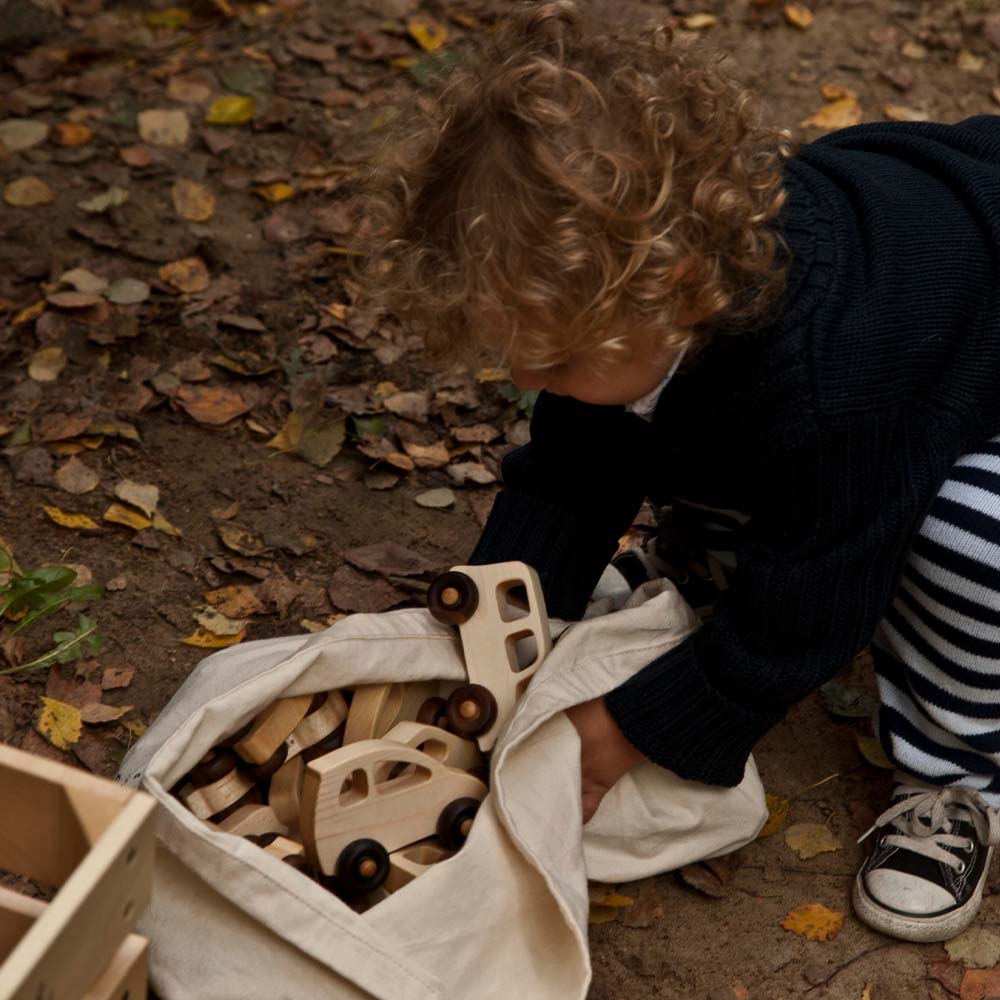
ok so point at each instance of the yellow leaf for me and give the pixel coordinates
(969, 62)
(400, 461)
(814, 922)
(209, 640)
(29, 313)
(135, 727)
(698, 22)
(46, 364)
(914, 50)
(810, 839)
(834, 91)
(867, 994)
(404, 62)
(192, 201)
(113, 428)
(901, 113)
(187, 275)
(287, 439)
(160, 523)
(492, 375)
(231, 110)
(118, 514)
(616, 900)
(214, 621)
(837, 114)
(59, 723)
(799, 15)
(600, 914)
(235, 601)
(777, 810)
(27, 192)
(71, 134)
(172, 17)
(427, 33)
(77, 521)
(277, 192)
(872, 752)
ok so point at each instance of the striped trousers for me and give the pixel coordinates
(937, 649)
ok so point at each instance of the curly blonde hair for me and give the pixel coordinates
(569, 185)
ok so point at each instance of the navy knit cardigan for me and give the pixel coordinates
(833, 425)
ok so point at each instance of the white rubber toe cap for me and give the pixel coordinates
(907, 893)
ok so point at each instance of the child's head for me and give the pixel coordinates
(573, 193)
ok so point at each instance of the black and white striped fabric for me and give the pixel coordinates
(937, 650)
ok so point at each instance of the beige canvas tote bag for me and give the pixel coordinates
(507, 915)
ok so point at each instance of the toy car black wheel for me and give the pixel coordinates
(453, 598)
(216, 764)
(433, 712)
(455, 821)
(362, 866)
(471, 709)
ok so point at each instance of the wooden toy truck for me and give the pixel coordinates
(503, 641)
(92, 840)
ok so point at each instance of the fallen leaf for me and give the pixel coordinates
(209, 640)
(411, 405)
(84, 281)
(427, 33)
(127, 292)
(777, 813)
(704, 880)
(59, 723)
(160, 523)
(976, 948)
(217, 623)
(351, 590)
(901, 113)
(814, 922)
(600, 914)
(474, 472)
(848, 702)
(145, 496)
(29, 313)
(26, 192)
(810, 839)
(97, 713)
(866, 993)
(192, 201)
(191, 89)
(75, 477)
(113, 197)
(46, 364)
(840, 113)
(136, 727)
(980, 984)
(389, 558)
(969, 62)
(116, 677)
(479, 433)
(914, 50)
(435, 499)
(872, 752)
(113, 428)
(235, 601)
(240, 539)
(169, 17)
(799, 15)
(79, 522)
(230, 110)
(277, 192)
(698, 22)
(214, 405)
(118, 514)
(71, 134)
(428, 456)
(492, 375)
(187, 275)
(73, 300)
(168, 127)
(381, 480)
(400, 461)
(17, 134)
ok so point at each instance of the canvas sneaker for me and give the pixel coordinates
(925, 876)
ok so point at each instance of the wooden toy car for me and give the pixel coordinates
(285, 791)
(409, 862)
(503, 641)
(443, 746)
(376, 708)
(358, 805)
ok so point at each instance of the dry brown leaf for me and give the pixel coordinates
(471, 472)
(976, 948)
(46, 364)
(97, 713)
(840, 113)
(872, 752)
(145, 496)
(214, 405)
(240, 539)
(217, 623)
(235, 601)
(352, 590)
(27, 192)
(810, 839)
(969, 62)
(478, 433)
(208, 640)
(799, 15)
(390, 558)
(59, 723)
(814, 922)
(980, 984)
(84, 281)
(191, 88)
(435, 499)
(411, 405)
(192, 201)
(168, 127)
(186, 275)
(17, 134)
(698, 22)
(75, 477)
(914, 50)
(116, 677)
(71, 134)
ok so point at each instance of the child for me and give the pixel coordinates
(598, 210)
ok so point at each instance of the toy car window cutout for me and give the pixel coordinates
(434, 748)
(354, 789)
(388, 781)
(522, 650)
(512, 600)
(425, 854)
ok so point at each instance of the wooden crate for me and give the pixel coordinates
(92, 840)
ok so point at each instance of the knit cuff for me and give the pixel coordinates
(568, 554)
(671, 713)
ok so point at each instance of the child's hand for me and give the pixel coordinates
(605, 754)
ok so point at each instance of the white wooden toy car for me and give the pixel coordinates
(370, 798)
(504, 643)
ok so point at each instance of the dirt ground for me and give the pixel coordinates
(185, 382)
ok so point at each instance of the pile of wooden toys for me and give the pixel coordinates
(364, 789)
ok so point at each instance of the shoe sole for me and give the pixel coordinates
(919, 929)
